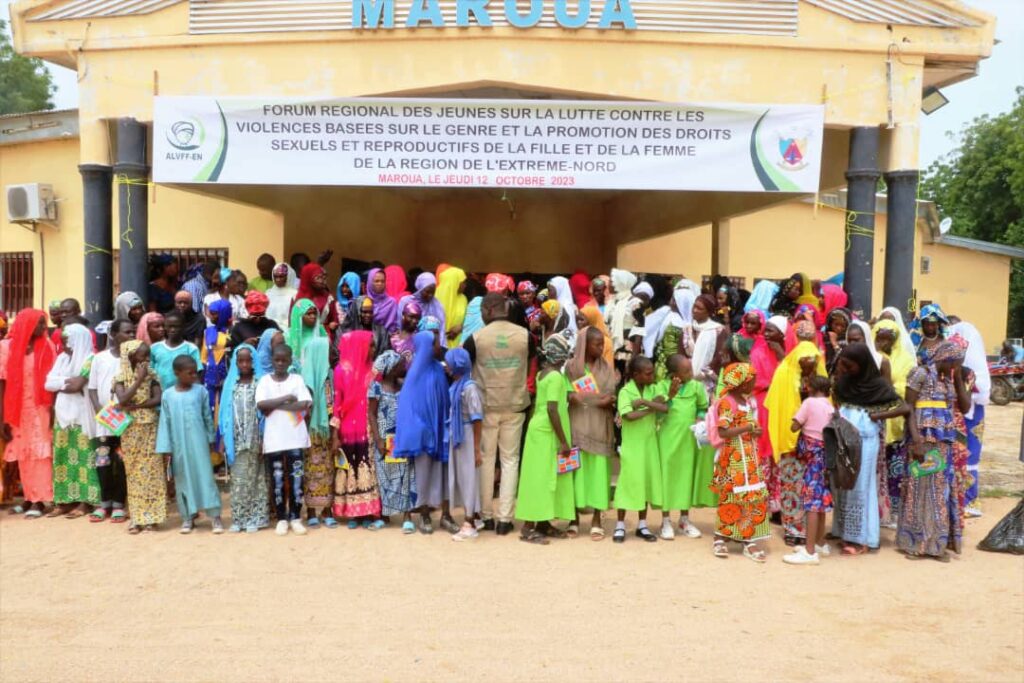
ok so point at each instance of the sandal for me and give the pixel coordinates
(619, 535)
(852, 550)
(720, 549)
(97, 515)
(426, 528)
(573, 530)
(118, 517)
(312, 522)
(596, 533)
(533, 536)
(75, 514)
(134, 530)
(375, 525)
(33, 514)
(17, 510)
(755, 554)
(55, 512)
(551, 531)
(330, 522)
(408, 527)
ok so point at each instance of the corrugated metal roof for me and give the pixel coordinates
(907, 12)
(81, 9)
(38, 112)
(765, 17)
(37, 126)
(980, 245)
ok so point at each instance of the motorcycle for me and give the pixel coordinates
(1007, 382)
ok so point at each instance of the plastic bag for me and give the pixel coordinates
(1007, 536)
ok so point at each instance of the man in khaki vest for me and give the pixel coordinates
(501, 359)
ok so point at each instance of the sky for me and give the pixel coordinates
(990, 92)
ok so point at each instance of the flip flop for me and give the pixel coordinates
(16, 510)
(33, 514)
(408, 527)
(312, 522)
(74, 514)
(55, 512)
(98, 515)
(118, 517)
(330, 523)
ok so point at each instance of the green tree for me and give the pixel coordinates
(25, 84)
(980, 185)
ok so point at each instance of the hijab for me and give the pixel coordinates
(659, 321)
(869, 340)
(556, 350)
(298, 334)
(976, 361)
(867, 388)
(385, 308)
(453, 302)
(395, 283)
(142, 330)
(73, 409)
(262, 360)
(761, 356)
(705, 334)
(125, 302)
(783, 398)
(563, 295)
(315, 368)
(474, 319)
(352, 377)
(43, 357)
(226, 412)
(281, 297)
(307, 289)
(386, 362)
(432, 308)
(931, 312)
(579, 285)
(592, 430)
(461, 367)
(193, 324)
(834, 297)
(622, 285)
(904, 339)
(422, 404)
(352, 280)
(595, 319)
(761, 298)
(779, 322)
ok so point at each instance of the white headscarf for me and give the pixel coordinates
(977, 361)
(280, 304)
(623, 282)
(779, 322)
(563, 295)
(869, 339)
(663, 318)
(72, 409)
(705, 341)
(644, 288)
(615, 313)
(905, 341)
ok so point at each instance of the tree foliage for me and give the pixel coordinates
(980, 185)
(25, 84)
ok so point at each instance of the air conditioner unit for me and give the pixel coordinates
(926, 265)
(31, 202)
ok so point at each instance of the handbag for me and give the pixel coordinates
(842, 451)
(569, 462)
(932, 463)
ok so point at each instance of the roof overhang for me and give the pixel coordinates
(38, 126)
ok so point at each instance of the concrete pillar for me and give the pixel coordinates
(98, 303)
(132, 175)
(862, 180)
(900, 227)
(720, 238)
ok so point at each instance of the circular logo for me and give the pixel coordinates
(186, 135)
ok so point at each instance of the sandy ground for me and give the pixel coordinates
(89, 602)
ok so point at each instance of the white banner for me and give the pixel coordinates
(488, 143)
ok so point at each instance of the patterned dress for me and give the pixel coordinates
(394, 479)
(929, 519)
(144, 468)
(74, 471)
(742, 494)
(815, 494)
(318, 464)
(250, 500)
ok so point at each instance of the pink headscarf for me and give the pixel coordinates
(761, 356)
(352, 378)
(396, 284)
(142, 331)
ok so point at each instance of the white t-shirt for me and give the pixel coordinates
(101, 380)
(284, 430)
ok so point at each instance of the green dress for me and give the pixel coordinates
(639, 482)
(680, 456)
(543, 493)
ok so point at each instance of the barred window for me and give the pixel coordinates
(186, 258)
(16, 273)
(737, 282)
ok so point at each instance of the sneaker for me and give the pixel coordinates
(218, 525)
(686, 528)
(186, 527)
(282, 528)
(449, 525)
(972, 512)
(823, 550)
(800, 556)
(466, 534)
(667, 533)
(234, 529)
(297, 527)
(251, 529)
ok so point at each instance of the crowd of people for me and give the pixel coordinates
(542, 402)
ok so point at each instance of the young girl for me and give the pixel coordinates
(465, 426)
(239, 422)
(394, 478)
(359, 501)
(109, 461)
(685, 482)
(174, 345)
(214, 353)
(639, 484)
(742, 494)
(544, 494)
(151, 329)
(76, 487)
(283, 398)
(187, 432)
(138, 393)
(816, 499)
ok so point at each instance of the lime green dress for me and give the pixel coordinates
(680, 456)
(543, 493)
(639, 482)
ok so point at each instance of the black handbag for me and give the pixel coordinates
(842, 451)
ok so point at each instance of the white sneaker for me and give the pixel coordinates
(800, 556)
(972, 512)
(823, 550)
(297, 527)
(465, 534)
(686, 528)
(667, 533)
(282, 528)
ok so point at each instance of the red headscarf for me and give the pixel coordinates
(43, 356)
(396, 285)
(256, 302)
(499, 283)
(834, 297)
(306, 288)
(579, 284)
(761, 356)
(352, 378)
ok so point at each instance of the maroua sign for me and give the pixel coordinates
(374, 14)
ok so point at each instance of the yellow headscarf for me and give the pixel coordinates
(453, 303)
(783, 398)
(807, 292)
(901, 362)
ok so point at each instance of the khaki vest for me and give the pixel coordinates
(502, 361)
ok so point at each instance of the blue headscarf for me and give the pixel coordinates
(461, 367)
(474, 320)
(762, 296)
(262, 362)
(315, 370)
(422, 405)
(225, 273)
(220, 312)
(352, 280)
(226, 417)
(929, 312)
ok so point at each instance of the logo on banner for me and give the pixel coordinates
(186, 135)
(793, 146)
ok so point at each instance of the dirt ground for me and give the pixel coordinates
(88, 602)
